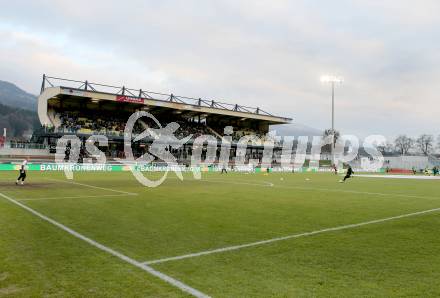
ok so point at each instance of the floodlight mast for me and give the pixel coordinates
(332, 80)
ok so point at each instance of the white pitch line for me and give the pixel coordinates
(92, 186)
(75, 197)
(176, 283)
(241, 246)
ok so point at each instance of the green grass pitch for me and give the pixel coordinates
(396, 257)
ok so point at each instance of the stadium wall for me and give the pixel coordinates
(407, 162)
(23, 152)
(51, 167)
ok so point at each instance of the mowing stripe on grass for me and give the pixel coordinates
(92, 186)
(266, 184)
(76, 197)
(416, 177)
(252, 244)
(352, 191)
(219, 180)
(238, 182)
(162, 276)
(270, 184)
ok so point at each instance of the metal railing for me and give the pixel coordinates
(144, 94)
(24, 145)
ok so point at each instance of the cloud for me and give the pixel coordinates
(257, 53)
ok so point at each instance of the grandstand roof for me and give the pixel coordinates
(58, 88)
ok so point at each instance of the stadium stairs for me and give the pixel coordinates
(214, 132)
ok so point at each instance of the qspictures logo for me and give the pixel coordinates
(209, 150)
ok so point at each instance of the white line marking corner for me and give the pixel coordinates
(172, 281)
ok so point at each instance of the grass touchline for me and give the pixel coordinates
(102, 247)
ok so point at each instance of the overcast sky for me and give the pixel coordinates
(269, 54)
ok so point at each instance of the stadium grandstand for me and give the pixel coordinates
(83, 109)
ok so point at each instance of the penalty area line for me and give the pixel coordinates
(268, 241)
(170, 280)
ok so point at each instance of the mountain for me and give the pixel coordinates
(295, 130)
(18, 110)
(17, 121)
(11, 95)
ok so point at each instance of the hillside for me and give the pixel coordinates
(13, 96)
(17, 121)
(17, 110)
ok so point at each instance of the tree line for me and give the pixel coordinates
(425, 144)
